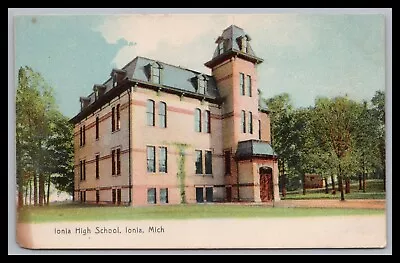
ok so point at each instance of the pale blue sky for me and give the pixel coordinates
(304, 55)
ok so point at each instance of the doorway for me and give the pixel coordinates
(266, 191)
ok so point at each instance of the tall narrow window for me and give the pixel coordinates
(243, 121)
(97, 166)
(244, 44)
(113, 119)
(209, 194)
(84, 170)
(207, 122)
(151, 159)
(114, 195)
(162, 161)
(150, 112)
(208, 160)
(199, 162)
(151, 195)
(259, 129)
(81, 169)
(155, 74)
(164, 195)
(115, 83)
(118, 161)
(84, 135)
(97, 196)
(248, 85)
(118, 123)
(227, 156)
(119, 196)
(80, 137)
(250, 122)
(221, 47)
(97, 127)
(242, 87)
(162, 114)
(199, 195)
(201, 85)
(113, 162)
(197, 120)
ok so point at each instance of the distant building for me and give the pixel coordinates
(313, 181)
(156, 133)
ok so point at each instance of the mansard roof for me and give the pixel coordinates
(254, 148)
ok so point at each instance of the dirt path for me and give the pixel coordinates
(326, 203)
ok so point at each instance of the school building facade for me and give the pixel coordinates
(156, 133)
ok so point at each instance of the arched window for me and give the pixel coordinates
(197, 120)
(155, 75)
(162, 114)
(150, 112)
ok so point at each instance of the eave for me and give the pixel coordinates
(231, 53)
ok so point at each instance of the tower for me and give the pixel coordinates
(234, 68)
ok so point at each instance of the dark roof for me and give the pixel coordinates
(254, 148)
(231, 37)
(171, 77)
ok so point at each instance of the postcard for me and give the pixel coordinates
(200, 131)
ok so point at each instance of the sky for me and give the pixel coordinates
(305, 55)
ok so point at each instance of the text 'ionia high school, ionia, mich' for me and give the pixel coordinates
(156, 133)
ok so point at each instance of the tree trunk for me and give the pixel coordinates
(35, 197)
(341, 184)
(283, 179)
(347, 180)
(364, 182)
(26, 195)
(304, 183)
(20, 196)
(30, 191)
(48, 189)
(326, 185)
(333, 185)
(360, 182)
(41, 190)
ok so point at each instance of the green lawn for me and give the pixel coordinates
(374, 190)
(74, 212)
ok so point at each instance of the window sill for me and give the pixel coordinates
(115, 175)
(115, 131)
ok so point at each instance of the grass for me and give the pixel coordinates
(78, 212)
(374, 190)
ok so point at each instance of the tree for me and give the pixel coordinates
(336, 123)
(39, 127)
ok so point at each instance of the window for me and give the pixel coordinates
(81, 170)
(199, 195)
(248, 85)
(162, 161)
(155, 73)
(221, 47)
(97, 196)
(197, 120)
(115, 83)
(259, 129)
(208, 157)
(84, 170)
(151, 196)
(114, 196)
(151, 160)
(202, 85)
(243, 121)
(119, 196)
(113, 162)
(113, 119)
(207, 122)
(97, 127)
(242, 88)
(162, 114)
(118, 161)
(118, 124)
(80, 137)
(244, 44)
(250, 122)
(227, 156)
(150, 112)
(164, 195)
(97, 166)
(83, 196)
(199, 162)
(209, 194)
